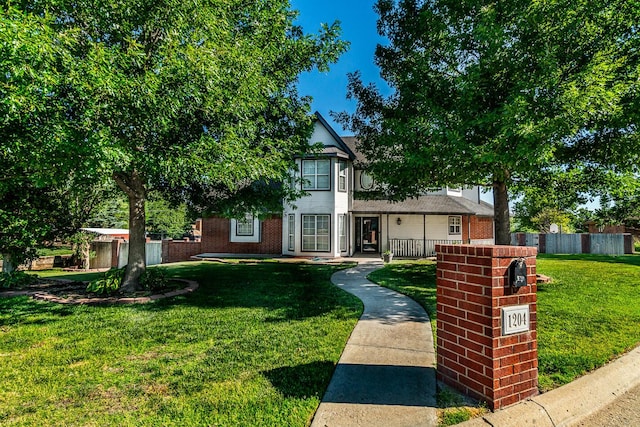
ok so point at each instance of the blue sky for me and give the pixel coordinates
(358, 22)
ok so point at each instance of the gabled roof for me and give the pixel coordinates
(352, 143)
(341, 144)
(424, 205)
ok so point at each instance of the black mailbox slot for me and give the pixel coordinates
(518, 273)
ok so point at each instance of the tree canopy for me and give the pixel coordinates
(497, 93)
(162, 94)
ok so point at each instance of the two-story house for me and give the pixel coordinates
(330, 222)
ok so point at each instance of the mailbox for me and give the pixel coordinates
(518, 273)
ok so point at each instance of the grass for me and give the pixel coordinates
(254, 345)
(53, 251)
(588, 315)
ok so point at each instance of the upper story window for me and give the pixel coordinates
(455, 225)
(342, 175)
(366, 181)
(316, 174)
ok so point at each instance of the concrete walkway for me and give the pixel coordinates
(386, 375)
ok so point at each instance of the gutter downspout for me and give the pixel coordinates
(469, 228)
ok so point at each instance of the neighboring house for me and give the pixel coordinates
(596, 228)
(331, 222)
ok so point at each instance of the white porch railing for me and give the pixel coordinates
(413, 248)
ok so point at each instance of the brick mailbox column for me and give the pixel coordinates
(487, 341)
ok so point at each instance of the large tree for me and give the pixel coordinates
(496, 92)
(175, 94)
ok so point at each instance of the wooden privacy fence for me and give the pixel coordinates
(115, 253)
(413, 248)
(597, 243)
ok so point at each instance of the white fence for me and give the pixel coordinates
(153, 253)
(413, 248)
(104, 254)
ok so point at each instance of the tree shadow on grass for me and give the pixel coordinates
(288, 291)
(303, 381)
(25, 311)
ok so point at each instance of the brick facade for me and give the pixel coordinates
(481, 227)
(178, 250)
(216, 234)
(473, 354)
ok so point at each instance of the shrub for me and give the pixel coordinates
(16, 279)
(109, 283)
(154, 279)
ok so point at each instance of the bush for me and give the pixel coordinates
(154, 279)
(109, 283)
(16, 279)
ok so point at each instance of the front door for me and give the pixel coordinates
(370, 235)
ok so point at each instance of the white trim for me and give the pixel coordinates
(235, 238)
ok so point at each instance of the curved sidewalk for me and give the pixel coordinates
(386, 374)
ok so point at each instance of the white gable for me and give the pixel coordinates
(321, 134)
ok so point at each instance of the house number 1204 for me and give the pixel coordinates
(515, 319)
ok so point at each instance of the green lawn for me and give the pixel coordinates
(255, 345)
(588, 314)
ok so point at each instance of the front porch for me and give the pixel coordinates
(418, 248)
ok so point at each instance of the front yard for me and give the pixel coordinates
(255, 345)
(587, 315)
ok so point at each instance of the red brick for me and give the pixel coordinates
(509, 360)
(478, 299)
(471, 288)
(472, 345)
(471, 269)
(452, 311)
(476, 317)
(471, 327)
(448, 301)
(503, 372)
(480, 261)
(480, 378)
(447, 319)
(446, 283)
(479, 338)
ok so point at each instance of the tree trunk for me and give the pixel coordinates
(133, 185)
(7, 265)
(502, 221)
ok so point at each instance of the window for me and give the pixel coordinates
(292, 232)
(342, 229)
(315, 233)
(315, 174)
(244, 226)
(455, 225)
(366, 181)
(245, 230)
(342, 175)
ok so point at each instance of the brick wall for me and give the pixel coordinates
(473, 354)
(216, 234)
(178, 250)
(481, 227)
